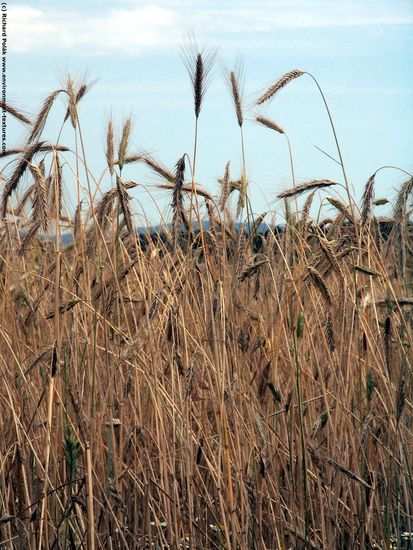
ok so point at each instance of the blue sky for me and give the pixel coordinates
(360, 52)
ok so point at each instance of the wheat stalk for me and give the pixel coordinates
(14, 112)
(199, 64)
(187, 188)
(299, 189)
(110, 146)
(19, 150)
(20, 169)
(320, 284)
(40, 122)
(235, 79)
(367, 200)
(225, 187)
(75, 94)
(268, 123)
(124, 202)
(40, 211)
(124, 142)
(158, 168)
(177, 199)
(281, 83)
(28, 237)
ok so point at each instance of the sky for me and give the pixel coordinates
(359, 51)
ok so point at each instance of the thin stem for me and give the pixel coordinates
(195, 150)
(193, 167)
(347, 186)
(194, 196)
(393, 168)
(244, 171)
(244, 168)
(290, 153)
(335, 139)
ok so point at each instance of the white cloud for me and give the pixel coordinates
(133, 29)
(127, 31)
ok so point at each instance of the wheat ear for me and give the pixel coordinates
(275, 88)
(14, 112)
(367, 200)
(21, 167)
(312, 184)
(269, 124)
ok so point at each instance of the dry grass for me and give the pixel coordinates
(238, 391)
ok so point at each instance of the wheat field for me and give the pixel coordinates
(223, 384)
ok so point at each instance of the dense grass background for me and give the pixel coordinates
(215, 389)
